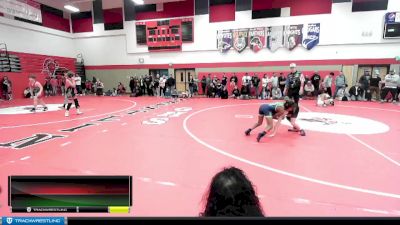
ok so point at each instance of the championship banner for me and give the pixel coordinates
(275, 38)
(293, 36)
(22, 9)
(311, 35)
(224, 40)
(257, 38)
(240, 39)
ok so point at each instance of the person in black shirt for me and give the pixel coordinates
(281, 82)
(147, 82)
(235, 92)
(203, 84)
(224, 93)
(316, 81)
(210, 90)
(234, 80)
(224, 81)
(294, 88)
(374, 86)
(132, 84)
(255, 80)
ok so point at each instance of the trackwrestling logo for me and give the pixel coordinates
(25, 109)
(33, 220)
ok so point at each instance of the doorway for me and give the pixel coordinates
(383, 70)
(182, 78)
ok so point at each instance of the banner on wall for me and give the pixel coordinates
(275, 38)
(240, 39)
(257, 38)
(311, 35)
(22, 9)
(293, 36)
(224, 40)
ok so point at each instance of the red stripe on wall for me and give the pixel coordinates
(113, 15)
(55, 22)
(221, 13)
(297, 7)
(82, 25)
(248, 64)
(171, 9)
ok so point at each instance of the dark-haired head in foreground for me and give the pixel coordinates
(231, 193)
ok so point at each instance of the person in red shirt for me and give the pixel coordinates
(71, 93)
(36, 90)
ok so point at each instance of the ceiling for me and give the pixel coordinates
(86, 5)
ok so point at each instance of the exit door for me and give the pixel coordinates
(182, 79)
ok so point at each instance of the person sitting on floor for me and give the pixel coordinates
(244, 93)
(276, 93)
(231, 193)
(309, 90)
(356, 93)
(235, 92)
(343, 94)
(224, 93)
(121, 89)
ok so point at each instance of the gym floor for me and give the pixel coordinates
(348, 164)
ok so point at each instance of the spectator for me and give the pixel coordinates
(374, 86)
(316, 81)
(88, 87)
(142, 85)
(218, 89)
(224, 93)
(54, 84)
(234, 80)
(163, 81)
(264, 84)
(121, 89)
(99, 88)
(61, 84)
(47, 87)
(244, 92)
(340, 82)
(224, 81)
(78, 82)
(309, 90)
(147, 81)
(246, 81)
(328, 83)
(191, 85)
(236, 92)
(343, 94)
(274, 80)
(211, 90)
(364, 83)
(282, 82)
(276, 93)
(132, 84)
(208, 79)
(203, 84)
(356, 93)
(156, 85)
(231, 193)
(7, 88)
(170, 84)
(255, 81)
(391, 83)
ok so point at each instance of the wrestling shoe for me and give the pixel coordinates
(45, 109)
(66, 113)
(78, 112)
(302, 133)
(261, 135)
(247, 132)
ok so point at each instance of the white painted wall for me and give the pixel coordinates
(341, 38)
(28, 38)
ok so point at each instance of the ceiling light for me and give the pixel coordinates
(71, 8)
(138, 2)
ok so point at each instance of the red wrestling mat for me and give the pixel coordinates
(347, 165)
